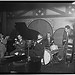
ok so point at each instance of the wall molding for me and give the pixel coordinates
(49, 20)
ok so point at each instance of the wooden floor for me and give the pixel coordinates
(51, 68)
(58, 68)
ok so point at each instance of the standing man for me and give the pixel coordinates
(68, 43)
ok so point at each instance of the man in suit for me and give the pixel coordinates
(68, 38)
(68, 33)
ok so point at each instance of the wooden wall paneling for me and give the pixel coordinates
(4, 23)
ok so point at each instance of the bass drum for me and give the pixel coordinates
(58, 37)
(47, 56)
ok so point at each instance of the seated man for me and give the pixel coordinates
(3, 42)
(47, 42)
(19, 44)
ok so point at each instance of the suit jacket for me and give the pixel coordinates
(47, 43)
(66, 37)
(39, 47)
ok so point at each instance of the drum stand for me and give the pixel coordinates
(28, 57)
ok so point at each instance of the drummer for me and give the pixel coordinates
(50, 44)
(48, 40)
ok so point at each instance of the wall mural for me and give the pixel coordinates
(55, 22)
(58, 36)
(41, 26)
(50, 21)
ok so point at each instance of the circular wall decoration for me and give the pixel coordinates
(41, 26)
(58, 36)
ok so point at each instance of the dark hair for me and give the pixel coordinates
(68, 27)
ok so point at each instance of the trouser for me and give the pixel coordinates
(4, 68)
(34, 66)
(17, 67)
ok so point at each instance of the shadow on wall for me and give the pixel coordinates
(41, 26)
(58, 36)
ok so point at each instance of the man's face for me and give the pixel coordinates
(67, 30)
(48, 35)
(39, 36)
(19, 37)
(1, 36)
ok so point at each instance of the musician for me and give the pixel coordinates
(24, 31)
(68, 33)
(19, 44)
(50, 39)
(43, 42)
(3, 42)
(11, 41)
(68, 42)
(27, 34)
(47, 40)
(38, 47)
(52, 48)
(40, 38)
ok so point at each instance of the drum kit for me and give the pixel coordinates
(49, 52)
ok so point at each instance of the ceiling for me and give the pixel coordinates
(23, 5)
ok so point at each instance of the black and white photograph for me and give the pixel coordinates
(37, 37)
